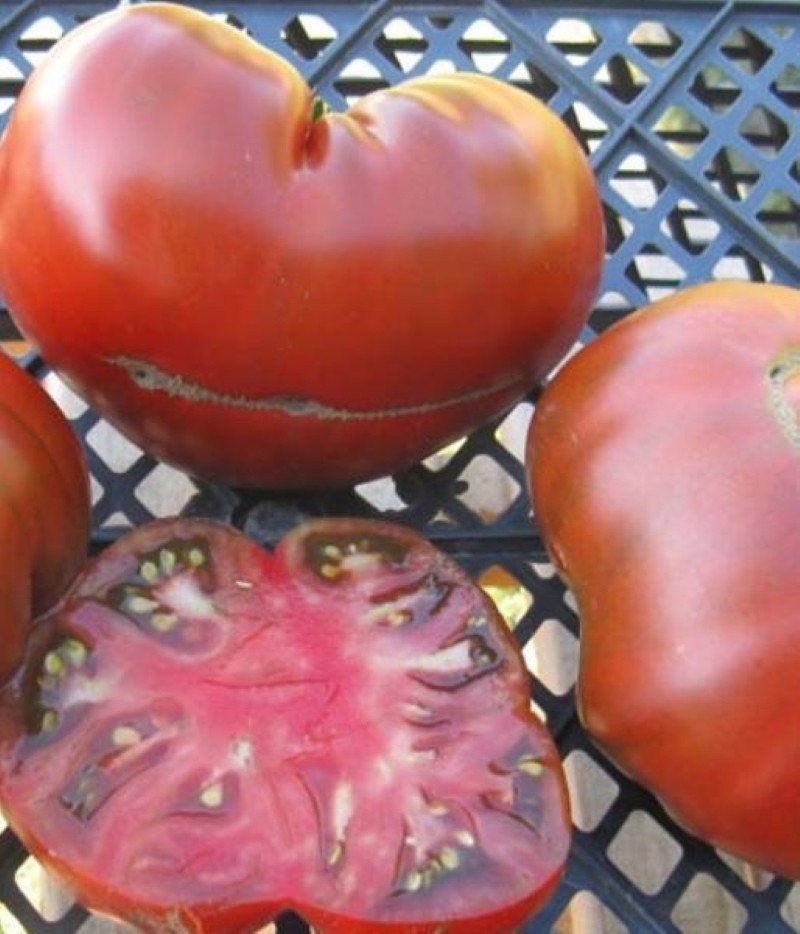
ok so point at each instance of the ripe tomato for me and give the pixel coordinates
(44, 507)
(205, 734)
(666, 480)
(273, 300)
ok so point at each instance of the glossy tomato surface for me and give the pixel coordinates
(205, 734)
(665, 471)
(44, 507)
(274, 300)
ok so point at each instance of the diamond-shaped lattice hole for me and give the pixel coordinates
(165, 491)
(112, 447)
(68, 401)
(401, 44)
(690, 227)
(655, 40)
(638, 182)
(780, 214)
(586, 913)
(714, 88)
(44, 894)
(608, 310)
(576, 39)
(592, 790)
(11, 81)
(732, 173)
(654, 273)
(308, 34)
(618, 229)
(681, 130)
(486, 45)
(762, 129)
(552, 655)
(9, 924)
(38, 38)
(442, 66)
(622, 78)
(746, 50)
(358, 78)
(511, 597)
(752, 876)
(440, 21)
(790, 908)
(645, 852)
(705, 898)
(490, 491)
(381, 494)
(786, 86)
(513, 430)
(740, 264)
(530, 78)
(441, 458)
(587, 126)
(229, 19)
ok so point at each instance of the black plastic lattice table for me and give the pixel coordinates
(687, 110)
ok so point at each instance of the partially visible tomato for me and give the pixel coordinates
(273, 300)
(205, 734)
(665, 471)
(44, 507)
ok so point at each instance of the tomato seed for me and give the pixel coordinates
(167, 560)
(53, 663)
(163, 622)
(139, 604)
(125, 736)
(530, 766)
(196, 557)
(49, 720)
(449, 858)
(149, 572)
(213, 795)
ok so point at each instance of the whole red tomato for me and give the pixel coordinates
(205, 734)
(274, 300)
(665, 471)
(44, 507)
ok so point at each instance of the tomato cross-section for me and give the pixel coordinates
(206, 734)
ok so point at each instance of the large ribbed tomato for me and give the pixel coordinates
(665, 471)
(273, 299)
(205, 734)
(44, 507)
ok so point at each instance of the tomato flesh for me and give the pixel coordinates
(208, 733)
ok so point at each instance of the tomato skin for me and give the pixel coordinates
(44, 506)
(663, 464)
(279, 302)
(204, 735)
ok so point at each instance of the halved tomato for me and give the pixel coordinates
(205, 734)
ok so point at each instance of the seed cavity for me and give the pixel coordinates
(458, 663)
(50, 721)
(330, 557)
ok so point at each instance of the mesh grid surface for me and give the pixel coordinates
(687, 111)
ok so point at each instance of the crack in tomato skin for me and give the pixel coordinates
(149, 377)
